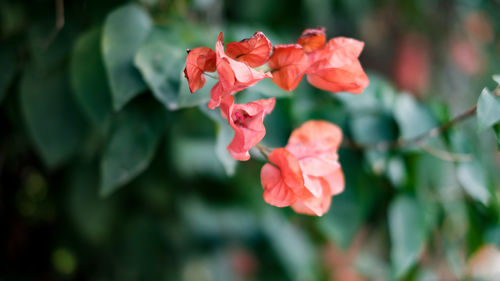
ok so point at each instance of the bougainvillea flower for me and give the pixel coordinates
(306, 173)
(336, 67)
(199, 60)
(253, 51)
(312, 39)
(412, 64)
(288, 64)
(234, 76)
(247, 123)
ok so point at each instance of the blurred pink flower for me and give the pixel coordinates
(412, 64)
(466, 56)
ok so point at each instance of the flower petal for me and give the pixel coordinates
(288, 64)
(198, 60)
(276, 192)
(253, 51)
(312, 39)
(247, 123)
(350, 78)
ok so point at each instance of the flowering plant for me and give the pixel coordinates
(305, 174)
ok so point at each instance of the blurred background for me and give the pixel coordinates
(111, 170)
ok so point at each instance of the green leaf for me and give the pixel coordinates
(496, 128)
(52, 117)
(408, 231)
(471, 176)
(373, 128)
(413, 119)
(497, 78)
(488, 110)
(124, 31)
(188, 99)
(131, 146)
(88, 77)
(8, 63)
(225, 135)
(161, 64)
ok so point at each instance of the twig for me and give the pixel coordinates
(418, 140)
(264, 150)
(59, 23)
(445, 155)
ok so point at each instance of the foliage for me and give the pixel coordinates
(111, 170)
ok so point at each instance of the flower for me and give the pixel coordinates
(305, 174)
(412, 64)
(199, 60)
(288, 64)
(234, 76)
(336, 68)
(247, 123)
(253, 51)
(312, 39)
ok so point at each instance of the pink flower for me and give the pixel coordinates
(247, 123)
(305, 174)
(288, 64)
(198, 60)
(234, 76)
(253, 51)
(336, 68)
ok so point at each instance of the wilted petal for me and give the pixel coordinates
(288, 64)
(198, 60)
(253, 51)
(312, 39)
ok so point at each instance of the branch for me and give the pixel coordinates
(264, 150)
(418, 140)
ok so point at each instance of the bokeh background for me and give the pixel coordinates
(111, 170)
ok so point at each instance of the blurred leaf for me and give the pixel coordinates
(52, 118)
(124, 30)
(8, 63)
(188, 99)
(372, 128)
(162, 63)
(397, 171)
(196, 157)
(408, 231)
(471, 177)
(225, 135)
(497, 78)
(413, 119)
(496, 128)
(488, 110)
(88, 77)
(268, 89)
(93, 216)
(492, 235)
(131, 146)
(291, 245)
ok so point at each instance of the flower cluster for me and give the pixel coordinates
(305, 174)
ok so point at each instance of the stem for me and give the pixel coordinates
(59, 23)
(418, 140)
(264, 150)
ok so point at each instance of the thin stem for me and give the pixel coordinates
(264, 150)
(418, 140)
(445, 155)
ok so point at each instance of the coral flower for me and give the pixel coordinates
(234, 76)
(288, 64)
(247, 123)
(336, 67)
(312, 39)
(306, 173)
(199, 60)
(253, 51)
